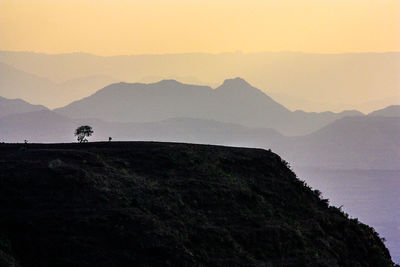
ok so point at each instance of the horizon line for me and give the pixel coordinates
(199, 53)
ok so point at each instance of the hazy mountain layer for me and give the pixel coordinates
(48, 126)
(12, 106)
(344, 81)
(235, 101)
(391, 111)
(163, 204)
(349, 143)
(15, 83)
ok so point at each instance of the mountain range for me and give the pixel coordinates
(348, 143)
(13, 106)
(235, 101)
(362, 81)
(234, 114)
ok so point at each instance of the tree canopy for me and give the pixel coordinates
(82, 132)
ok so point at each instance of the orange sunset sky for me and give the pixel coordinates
(112, 27)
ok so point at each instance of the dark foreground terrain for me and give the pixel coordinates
(165, 204)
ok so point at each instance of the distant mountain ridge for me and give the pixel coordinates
(235, 101)
(13, 106)
(360, 142)
(391, 111)
(349, 143)
(15, 83)
(330, 81)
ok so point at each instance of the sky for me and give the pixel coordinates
(115, 27)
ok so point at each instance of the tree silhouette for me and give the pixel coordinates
(82, 132)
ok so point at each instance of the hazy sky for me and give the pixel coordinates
(110, 27)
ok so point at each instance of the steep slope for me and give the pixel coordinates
(164, 204)
(235, 101)
(12, 106)
(391, 111)
(239, 102)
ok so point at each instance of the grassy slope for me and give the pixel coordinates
(165, 204)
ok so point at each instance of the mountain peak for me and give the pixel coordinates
(168, 82)
(235, 82)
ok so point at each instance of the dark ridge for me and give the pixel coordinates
(169, 204)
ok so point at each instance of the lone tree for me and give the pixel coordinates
(82, 132)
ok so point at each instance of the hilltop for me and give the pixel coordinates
(357, 142)
(169, 204)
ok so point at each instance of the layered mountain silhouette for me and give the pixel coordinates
(48, 126)
(235, 114)
(330, 81)
(13, 106)
(235, 101)
(361, 142)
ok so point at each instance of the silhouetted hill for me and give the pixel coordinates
(12, 106)
(391, 111)
(137, 102)
(235, 101)
(164, 204)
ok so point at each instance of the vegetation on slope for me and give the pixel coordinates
(165, 204)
